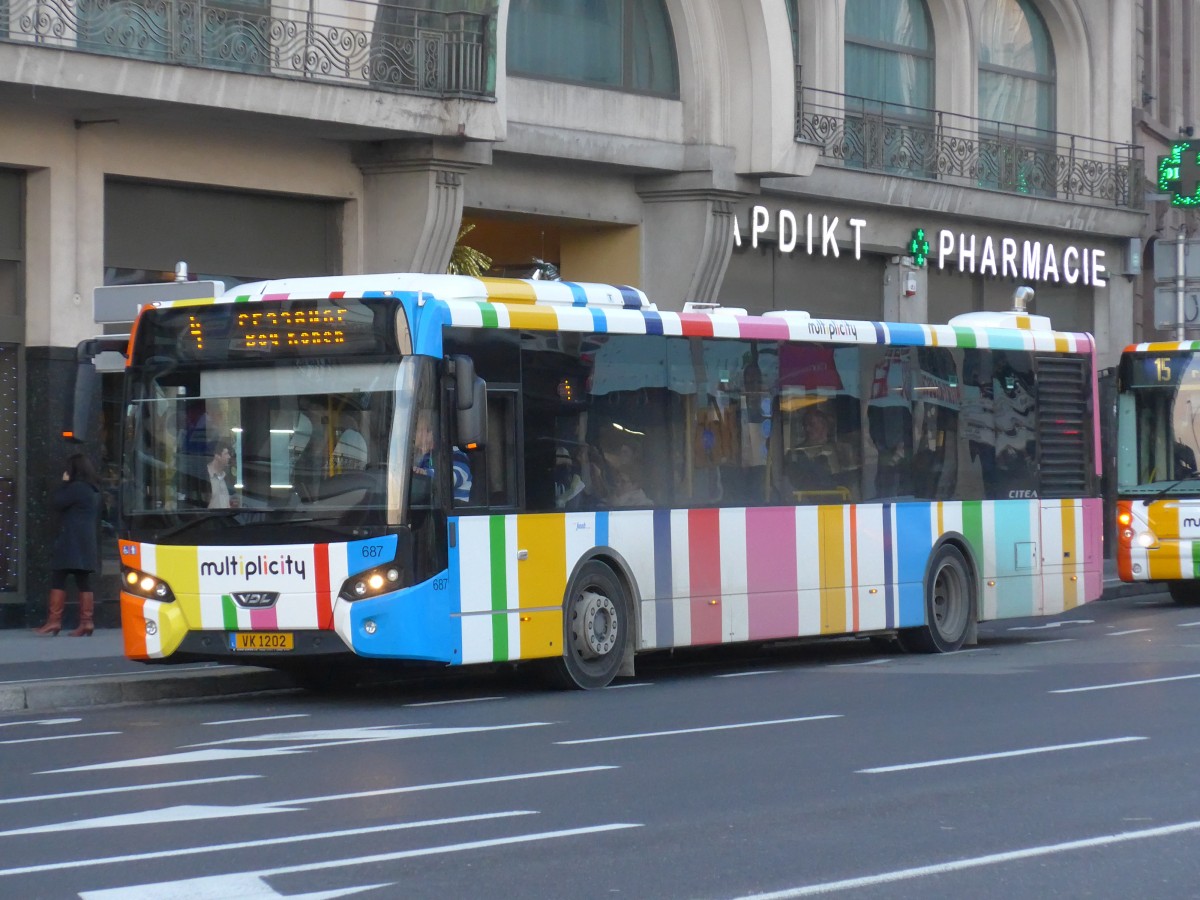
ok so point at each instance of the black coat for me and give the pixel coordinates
(77, 545)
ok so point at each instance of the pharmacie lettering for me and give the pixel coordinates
(1024, 260)
(254, 566)
(818, 233)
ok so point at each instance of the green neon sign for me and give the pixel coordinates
(918, 247)
(1179, 174)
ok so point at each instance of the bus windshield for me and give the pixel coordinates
(298, 441)
(1158, 410)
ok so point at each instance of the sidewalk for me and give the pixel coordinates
(48, 673)
(42, 673)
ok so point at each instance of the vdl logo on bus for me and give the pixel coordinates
(255, 599)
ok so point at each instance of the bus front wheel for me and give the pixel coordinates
(596, 629)
(949, 605)
(1185, 593)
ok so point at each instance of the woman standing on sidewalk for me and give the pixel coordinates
(76, 549)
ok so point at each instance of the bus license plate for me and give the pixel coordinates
(261, 640)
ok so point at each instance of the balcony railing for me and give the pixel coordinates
(937, 146)
(381, 46)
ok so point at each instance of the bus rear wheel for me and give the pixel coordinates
(596, 629)
(1185, 593)
(949, 605)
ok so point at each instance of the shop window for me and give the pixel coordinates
(627, 44)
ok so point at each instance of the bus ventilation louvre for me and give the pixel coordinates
(1063, 420)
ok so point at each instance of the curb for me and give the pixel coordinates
(109, 691)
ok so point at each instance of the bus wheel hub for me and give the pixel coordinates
(594, 625)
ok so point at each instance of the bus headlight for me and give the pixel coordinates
(143, 584)
(1146, 539)
(371, 583)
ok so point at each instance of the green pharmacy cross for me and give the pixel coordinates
(1179, 174)
(918, 247)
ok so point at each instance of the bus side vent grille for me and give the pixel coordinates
(1064, 426)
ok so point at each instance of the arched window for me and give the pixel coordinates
(1016, 66)
(622, 44)
(889, 53)
(889, 87)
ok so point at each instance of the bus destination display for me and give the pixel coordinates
(290, 328)
(1174, 370)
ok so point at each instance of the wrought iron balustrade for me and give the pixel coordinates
(377, 45)
(938, 146)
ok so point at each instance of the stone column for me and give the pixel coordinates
(687, 232)
(412, 201)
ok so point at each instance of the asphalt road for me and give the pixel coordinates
(1056, 759)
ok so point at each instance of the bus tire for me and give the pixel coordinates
(597, 628)
(949, 605)
(1185, 593)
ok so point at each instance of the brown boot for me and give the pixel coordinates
(86, 604)
(58, 599)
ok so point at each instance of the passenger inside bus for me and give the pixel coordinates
(823, 462)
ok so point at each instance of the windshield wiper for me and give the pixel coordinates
(196, 520)
(1190, 476)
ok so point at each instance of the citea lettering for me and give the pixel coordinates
(1022, 495)
(233, 565)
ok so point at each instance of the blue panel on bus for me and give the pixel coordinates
(904, 334)
(413, 623)
(578, 294)
(1014, 530)
(363, 555)
(914, 530)
(654, 323)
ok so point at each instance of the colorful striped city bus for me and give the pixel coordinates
(460, 471)
(1158, 489)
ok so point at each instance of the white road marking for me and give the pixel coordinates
(1052, 641)
(960, 865)
(222, 886)
(261, 842)
(59, 737)
(41, 722)
(1002, 755)
(621, 687)
(1049, 625)
(453, 702)
(327, 738)
(258, 719)
(122, 790)
(172, 759)
(155, 817)
(1121, 684)
(369, 734)
(744, 674)
(442, 785)
(650, 734)
(869, 662)
(1188, 624)
(1130, 631)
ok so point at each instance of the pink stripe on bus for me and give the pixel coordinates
(771, 572)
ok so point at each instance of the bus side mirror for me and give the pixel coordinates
(472, 421)
(470, 393)
(92, 357)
